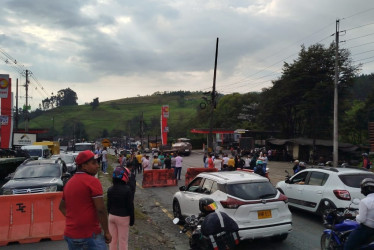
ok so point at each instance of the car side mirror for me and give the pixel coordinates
(182, 188)
(287, 181)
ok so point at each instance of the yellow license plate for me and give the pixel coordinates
(264, 214)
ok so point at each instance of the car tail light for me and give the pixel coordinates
(282, 197)
(342, 195)
(231, 203)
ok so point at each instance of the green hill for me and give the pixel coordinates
(121, 117)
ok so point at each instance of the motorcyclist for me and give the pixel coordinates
(365, 217)
(218, 227)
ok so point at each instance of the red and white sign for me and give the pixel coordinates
(6, 111)
(4, 86)
(164, 124)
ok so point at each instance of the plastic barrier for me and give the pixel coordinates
(29, 218)
(192, 172)
(158, 178)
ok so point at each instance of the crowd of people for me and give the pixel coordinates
(256, 161)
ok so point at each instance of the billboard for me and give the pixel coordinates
(4, 86)
(21, 139)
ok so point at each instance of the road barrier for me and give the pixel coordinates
(192, 172)
(29, 218)
(158, 178)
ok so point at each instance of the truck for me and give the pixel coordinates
(54, 146)
(246, 144)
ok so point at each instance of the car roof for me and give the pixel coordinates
(232, 176)
(340, 170)
(41, 162)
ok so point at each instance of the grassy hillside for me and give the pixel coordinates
(123, 114)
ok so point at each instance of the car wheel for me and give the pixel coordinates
(322, 207)
(177, 212)
(281, 237)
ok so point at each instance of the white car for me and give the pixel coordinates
(310, 188)
(258, 208)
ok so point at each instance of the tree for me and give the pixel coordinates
(66, 97)
(300, 102)
(95, 103)
(74, 129)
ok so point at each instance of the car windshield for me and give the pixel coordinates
(354, 180)
(83, 147)
(35, 152)
(67, 158)
(35, 171)
(252, 190)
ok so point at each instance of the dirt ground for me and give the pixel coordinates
(145, 234)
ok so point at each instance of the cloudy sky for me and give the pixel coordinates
(115, 49)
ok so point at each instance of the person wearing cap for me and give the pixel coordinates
(121, 208)
(83, 206)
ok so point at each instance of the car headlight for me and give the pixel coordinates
(7, 191)
(52, 188)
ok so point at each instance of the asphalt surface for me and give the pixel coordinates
(157, 203)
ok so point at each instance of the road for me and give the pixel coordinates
(157, 203)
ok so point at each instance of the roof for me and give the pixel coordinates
(214, 131)
(309, 142)
(233, 176)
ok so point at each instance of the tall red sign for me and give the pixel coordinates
(164, 124)
(6, 111)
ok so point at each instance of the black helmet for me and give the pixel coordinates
(207, 205)
(367, 186)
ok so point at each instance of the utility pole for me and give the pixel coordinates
(336, 144)
(16, 118)
(141, 129)
(213, 103)
(27, 104)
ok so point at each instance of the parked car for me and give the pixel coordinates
(69, 160)
(309, 188)
(250, 199)
(37, 176)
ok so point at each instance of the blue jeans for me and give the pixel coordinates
(96, 242)
(358, 237)
(177, 172)
(104, 166)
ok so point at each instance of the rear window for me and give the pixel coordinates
(354, 180)
(252, 191)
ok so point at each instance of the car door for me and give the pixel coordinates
(189, 201)
(295, 187)
(312, 192)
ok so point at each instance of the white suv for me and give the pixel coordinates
(251, 200)
(309, 188)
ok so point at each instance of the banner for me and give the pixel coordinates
(4, 86)
(6, 111)
(164, 124)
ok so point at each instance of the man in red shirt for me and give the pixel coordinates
(83, 206)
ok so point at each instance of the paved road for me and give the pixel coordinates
(157, 203)
(307, 227)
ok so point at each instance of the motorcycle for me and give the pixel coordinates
(339, 223)
(198, 241)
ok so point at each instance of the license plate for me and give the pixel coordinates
(264, 214)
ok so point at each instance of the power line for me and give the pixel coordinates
(357, 27)
(358, 13)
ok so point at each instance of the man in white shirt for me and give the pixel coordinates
(145, 163)
(225, 162)
(178, 166)
(104, 160)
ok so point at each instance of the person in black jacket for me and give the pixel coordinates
(120, 207)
